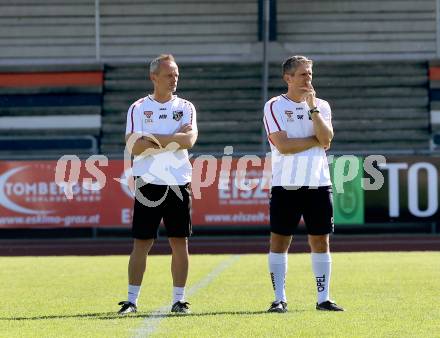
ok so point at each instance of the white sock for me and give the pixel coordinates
(322, 267)
(178, 294)
(133, 293)
(278, 270)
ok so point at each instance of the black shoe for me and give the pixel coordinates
(127, 308)
(279, 307)
(328, 305)
(180, 307)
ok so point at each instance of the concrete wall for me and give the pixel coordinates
(356, 29)
(57, 31)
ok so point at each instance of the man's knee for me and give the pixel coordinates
(142, 245)
(319, 244)
(178, 243)
(279, 243)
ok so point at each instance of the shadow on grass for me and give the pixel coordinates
(113, 315)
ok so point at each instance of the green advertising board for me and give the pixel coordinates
(348, 195)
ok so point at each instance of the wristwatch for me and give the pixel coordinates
(313, 110)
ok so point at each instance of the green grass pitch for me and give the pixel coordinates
(392, 294)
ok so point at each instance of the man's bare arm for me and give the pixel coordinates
(138, 144)
(287, 145)
(185, 137)
(156, 143)
(323, 130)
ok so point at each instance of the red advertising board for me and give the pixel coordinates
(31, 198)
(238, 195)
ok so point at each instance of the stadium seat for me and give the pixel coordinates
(55, 108)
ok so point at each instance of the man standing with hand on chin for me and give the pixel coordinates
(299, 129)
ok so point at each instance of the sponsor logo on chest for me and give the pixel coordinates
(177, 115)
(300, 113)
(148, 116)
(289, 115)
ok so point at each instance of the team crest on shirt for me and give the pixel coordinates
(177, 115)
(289, 115)
(148, 116)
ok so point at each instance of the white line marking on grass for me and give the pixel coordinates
(150, 323)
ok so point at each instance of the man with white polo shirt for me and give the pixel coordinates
(299, 128)
(160, 129)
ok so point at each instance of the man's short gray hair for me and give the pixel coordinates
(291, 64)
(155, 64)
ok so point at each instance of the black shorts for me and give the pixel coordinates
(156, 202)
(315, 205)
